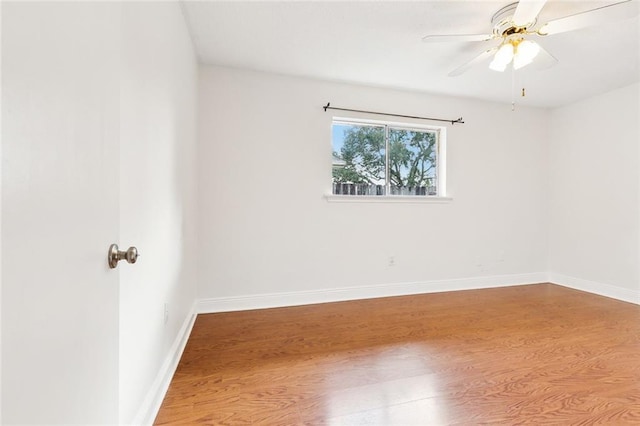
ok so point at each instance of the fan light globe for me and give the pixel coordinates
(525, 52)
(497, 66)
(503, 56)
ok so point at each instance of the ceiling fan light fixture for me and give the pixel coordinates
(497, 66)
(502, 58)
(518, 62)
(526, 51)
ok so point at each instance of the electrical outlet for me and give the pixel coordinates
(166, 313)
(392, 261)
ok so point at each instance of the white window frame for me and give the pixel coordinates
(441, 143)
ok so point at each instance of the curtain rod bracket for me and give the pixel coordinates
(328, 106)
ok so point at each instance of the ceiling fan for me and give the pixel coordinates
(515, 24)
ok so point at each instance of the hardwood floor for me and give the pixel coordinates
(536, 354)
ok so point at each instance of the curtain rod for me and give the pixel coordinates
(327, 106)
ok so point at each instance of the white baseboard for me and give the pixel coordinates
(607, 290)
(151, 405)
(275, 300)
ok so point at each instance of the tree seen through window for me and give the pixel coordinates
(361, 165)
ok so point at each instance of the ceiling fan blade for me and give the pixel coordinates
(460, 38)
(611, 13)
(527, 12)
(480, 58)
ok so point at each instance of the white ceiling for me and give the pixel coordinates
(380, 43)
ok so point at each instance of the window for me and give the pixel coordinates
(378, 158)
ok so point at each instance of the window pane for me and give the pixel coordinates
(358, 159)
(412, 162)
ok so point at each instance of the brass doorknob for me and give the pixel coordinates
(115, 255)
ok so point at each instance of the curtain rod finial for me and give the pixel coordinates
(326, 106)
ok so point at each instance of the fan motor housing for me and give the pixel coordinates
(502, 22)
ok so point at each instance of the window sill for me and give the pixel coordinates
(387, 199)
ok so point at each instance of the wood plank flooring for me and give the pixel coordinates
(535, 354)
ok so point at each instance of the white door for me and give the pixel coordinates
(60, 178)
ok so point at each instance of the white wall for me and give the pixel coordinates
(594, 201)
(157, 198)
(265, 228)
